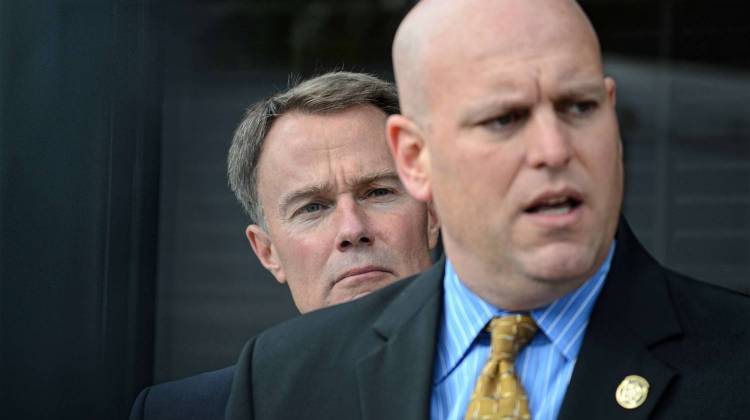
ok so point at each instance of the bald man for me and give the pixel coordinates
(546, 306)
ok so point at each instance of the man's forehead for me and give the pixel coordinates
(308, 153)
(493, 85)
(303, 142)
(563, 66)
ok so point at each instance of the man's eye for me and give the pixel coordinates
(379, 192)
(310, 208)
(507, 120)
(581, 108)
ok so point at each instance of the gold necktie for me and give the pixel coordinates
(499, 394)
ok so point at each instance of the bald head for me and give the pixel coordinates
(439, 34)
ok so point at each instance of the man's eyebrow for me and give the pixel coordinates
(505, 94)
(595, 88)
(294, 196)
(486, 107)
(511, 98)
(372, 178)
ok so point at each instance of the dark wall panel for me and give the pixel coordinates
(80, 99)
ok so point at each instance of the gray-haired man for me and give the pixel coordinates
(311, 167)
(331, 219)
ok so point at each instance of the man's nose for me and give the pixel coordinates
(353, 226)
(548, 144)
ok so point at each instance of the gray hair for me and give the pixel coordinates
(325, 94)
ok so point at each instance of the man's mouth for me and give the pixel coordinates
(554, 206)
(363, 272)
(555, 202)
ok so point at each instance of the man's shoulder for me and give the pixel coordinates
(332, 334)
(709, 308)
(202, 396)
(647, 286)
(361, 312)
(343, 322)
(322, 358)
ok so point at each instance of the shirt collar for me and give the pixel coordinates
(465, 314)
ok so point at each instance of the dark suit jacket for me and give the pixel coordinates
(373, 358)
(199, 397)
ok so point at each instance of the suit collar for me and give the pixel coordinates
(637, 293)
(465, 315)
(410, 301)
(395, 378)
(633, 313)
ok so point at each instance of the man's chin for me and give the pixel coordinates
(363, 289)
(360, 295)
(562, 264)
(348, 298)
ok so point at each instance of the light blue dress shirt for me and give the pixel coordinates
(544, 366)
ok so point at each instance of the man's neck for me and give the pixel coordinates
(510, 291)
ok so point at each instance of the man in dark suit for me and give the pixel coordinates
(331, 219)
(546, 306)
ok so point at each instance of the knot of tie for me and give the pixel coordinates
(498, 393)
(510, 334)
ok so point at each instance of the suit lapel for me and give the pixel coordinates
(395, 379)
(633, 313)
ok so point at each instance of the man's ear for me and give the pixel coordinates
(265, 251)
(433, 225)
(407, 145)
(611, 86)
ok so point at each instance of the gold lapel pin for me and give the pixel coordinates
(632, 392)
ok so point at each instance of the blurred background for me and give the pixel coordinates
(123, 260)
